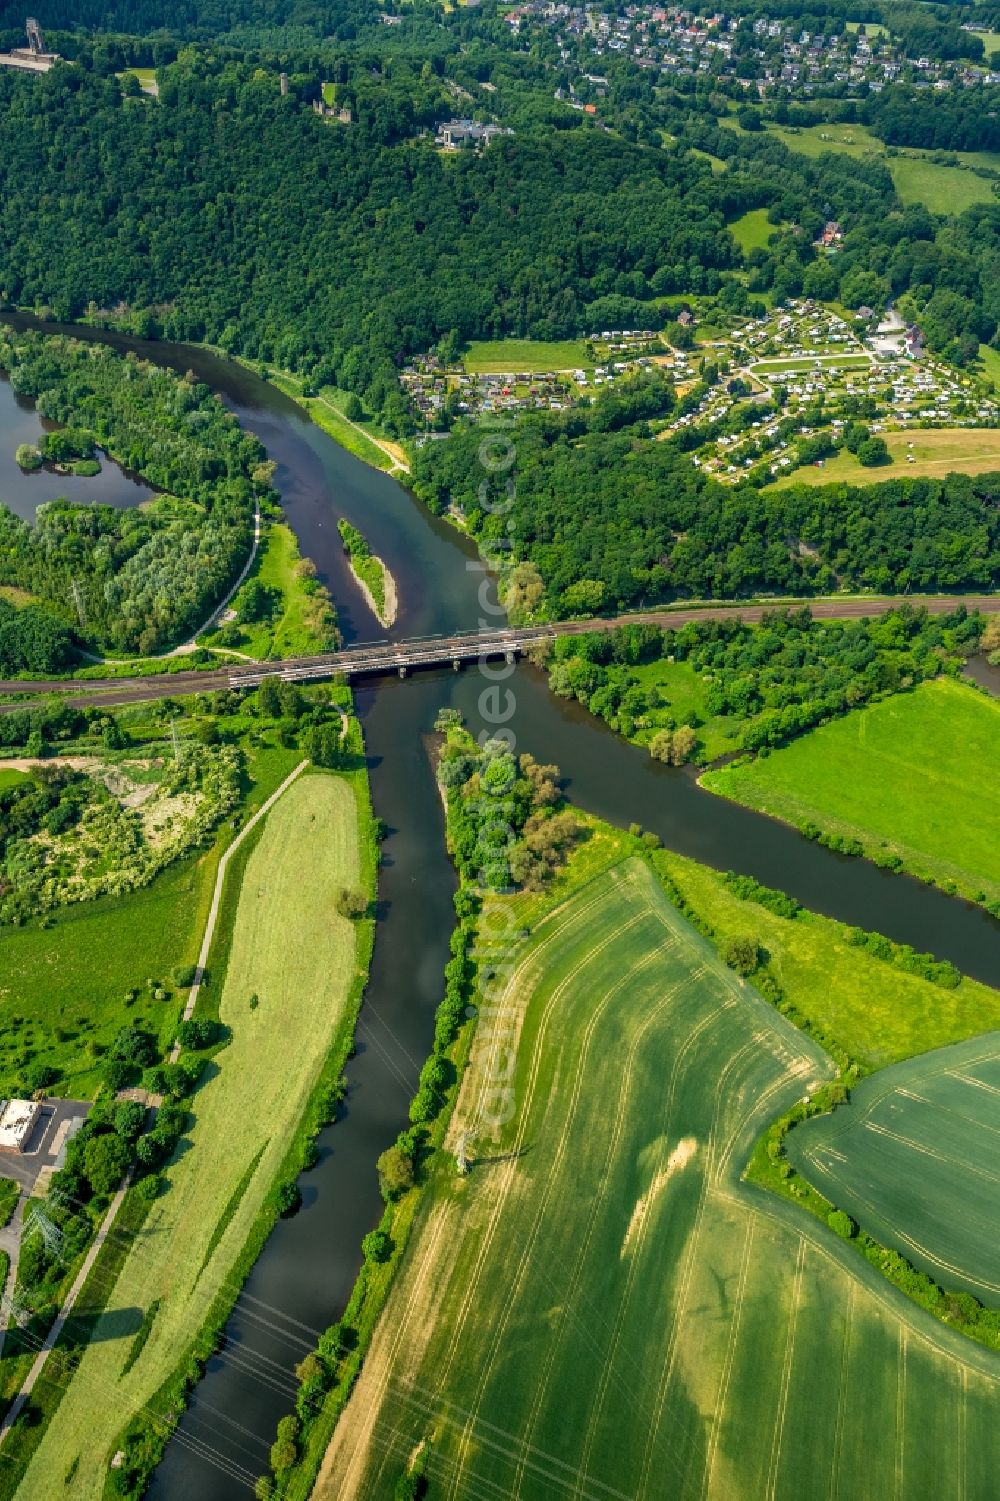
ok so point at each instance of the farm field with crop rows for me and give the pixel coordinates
(913, 1157)
(601, 1309)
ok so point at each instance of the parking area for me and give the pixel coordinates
(45, 1149)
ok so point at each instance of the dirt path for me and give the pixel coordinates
(57, 1328)
(393, 451)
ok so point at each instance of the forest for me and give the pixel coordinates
(612, 522)
(162, 217)
(33, 639)
(378, 249)
(136, 579)
(775, 680)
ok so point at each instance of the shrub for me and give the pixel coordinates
(395, 1172)
(28, 457)
(742, 953)
(351, 902)
(377, 1246)
(198, 1032)
(842, 1224)
(105, 1161)
(289, 1199)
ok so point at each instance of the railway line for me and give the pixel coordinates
(401, 657)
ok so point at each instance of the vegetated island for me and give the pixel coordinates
(377, 583)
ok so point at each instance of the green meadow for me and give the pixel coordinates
(601, 1308)
(752, 230)
(875, 1013)
(918, 179)
(911, 776)
(913, 1158)
(530, 355)
(295, 626)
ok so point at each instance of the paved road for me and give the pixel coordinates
(399, 656)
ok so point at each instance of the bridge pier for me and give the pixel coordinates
(456, 663)
(402, 672)
(510, 658)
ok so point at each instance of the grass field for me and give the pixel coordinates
(798, 363)
(876, 1013)
(936, 451)
(290, 947)
(944, 190)
(911, 775)
(990, 359)
(913, 1158)
(10, 778)
(534, 355)
(601, 1310)
(715, 162)
(63, 987)
(753, 230)
(684, 694)
(327, 411)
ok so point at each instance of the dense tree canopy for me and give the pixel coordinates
(612, 522)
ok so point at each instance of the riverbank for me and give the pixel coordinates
(327, 410)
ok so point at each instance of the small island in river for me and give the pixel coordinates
(377, 583)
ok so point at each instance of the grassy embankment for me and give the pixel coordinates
(287, 945)
(668, 1320)
(361, 437)
(66, 983)
(908, 777)
(936, 451)
(300, 620)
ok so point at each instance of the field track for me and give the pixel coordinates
(122, 690)
(602, 1311)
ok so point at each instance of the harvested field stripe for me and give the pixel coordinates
(877, 1129)
(615, 1328)
(611, 1152)
(511, 1166)
(976, 1083)
(690, 1258)
(431, 1404)
(900, 1407)
(727, 1368)
(845, 1360)
(486, 1365)
(786, 1373)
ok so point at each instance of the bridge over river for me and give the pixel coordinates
(510, 642)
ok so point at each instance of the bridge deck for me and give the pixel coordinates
(400, 656)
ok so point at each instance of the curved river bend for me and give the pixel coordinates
(302, 1280)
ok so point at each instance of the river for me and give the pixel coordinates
(24, 493)
(303, 1278)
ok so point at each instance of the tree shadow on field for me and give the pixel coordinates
(93, 1326)
(500, 1157)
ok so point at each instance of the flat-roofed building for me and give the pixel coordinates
(17, 1121)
